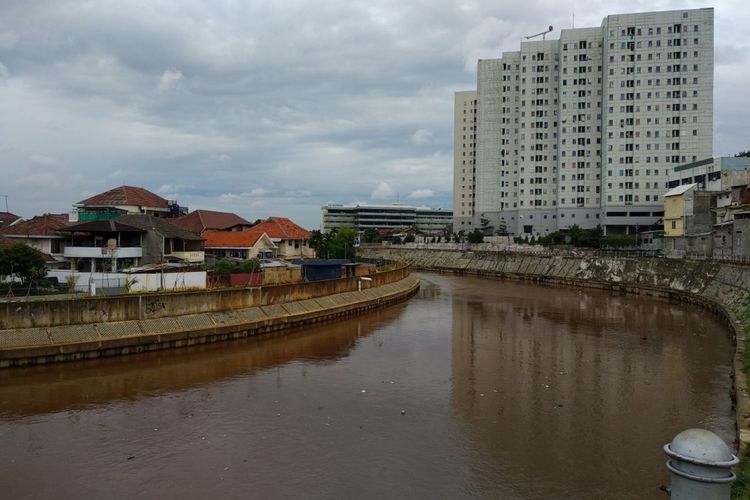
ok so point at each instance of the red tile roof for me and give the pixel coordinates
(232, 239)
(208, 220)
(126, 195)
(7, 218)
(283, 229)
(41, 225)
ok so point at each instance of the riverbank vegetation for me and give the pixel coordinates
(741, 486)
(582, 238)
(336, 244)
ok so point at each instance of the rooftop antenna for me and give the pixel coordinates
(574, 20)
(6, 201)
(543, 34)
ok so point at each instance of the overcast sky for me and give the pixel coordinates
(273, 108)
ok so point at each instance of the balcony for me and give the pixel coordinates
(103, 252)
(188, 256)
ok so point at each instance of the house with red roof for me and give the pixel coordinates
(7, 219)
(200, 221)
(124, 200)
(41, 232)
(239, 244)
(291, 239)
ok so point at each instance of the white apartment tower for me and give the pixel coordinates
(464, 147)
(583, 130)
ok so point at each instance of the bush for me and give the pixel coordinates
(23, 261)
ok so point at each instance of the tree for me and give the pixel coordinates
(23, 261)
(476, 236)
(409, 238)
(743, 153)
(342, 243)
(316, 241)
(249, 266)
(371, 235)
(487, 230)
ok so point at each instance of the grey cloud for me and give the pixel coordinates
(278, 106)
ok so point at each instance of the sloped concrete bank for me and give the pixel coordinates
(40, 345)
(719, 287)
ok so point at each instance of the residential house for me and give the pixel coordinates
(128, 241)
(239, 245)
(8, 219)
(42, 232)
(291, 240)
(688, 220)
(200, 221)
(124, 200)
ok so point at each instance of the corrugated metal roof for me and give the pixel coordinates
(680, 190)
(162, 226)
(102, 226)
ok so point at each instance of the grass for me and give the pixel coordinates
(741, 487)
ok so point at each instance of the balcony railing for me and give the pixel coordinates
(103, 252)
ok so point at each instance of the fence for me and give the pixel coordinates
(108, 283)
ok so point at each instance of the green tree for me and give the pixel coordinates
(409, 238)
(224, 267)
(476, 236)
(371, 235)
(23, 261)
(316, 241)
(342, 243)
(249, 266)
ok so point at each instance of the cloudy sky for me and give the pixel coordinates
(273, 108)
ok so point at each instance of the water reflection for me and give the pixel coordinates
(43, 389)
(508, 390)
(560, 381)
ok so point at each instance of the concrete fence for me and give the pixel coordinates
(62, 312)
(139, 282)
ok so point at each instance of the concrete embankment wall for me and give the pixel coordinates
(719, 287)
(281, 309)
(50, 313)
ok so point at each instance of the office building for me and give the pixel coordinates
(361, 217)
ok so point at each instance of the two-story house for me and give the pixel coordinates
(129, 241)
(124, 200)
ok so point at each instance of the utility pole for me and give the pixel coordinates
(6, 201)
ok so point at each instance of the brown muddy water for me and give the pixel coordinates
(508, 390)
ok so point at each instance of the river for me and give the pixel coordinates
(475, 388)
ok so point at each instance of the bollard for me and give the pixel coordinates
(700, 464)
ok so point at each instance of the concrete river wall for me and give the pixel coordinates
(43, 331)
(720, 287)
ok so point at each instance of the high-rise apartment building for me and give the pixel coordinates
(584, 129)
(464, 157)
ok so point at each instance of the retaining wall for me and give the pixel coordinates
(281, 308)
(720, 287)
(68, 312)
